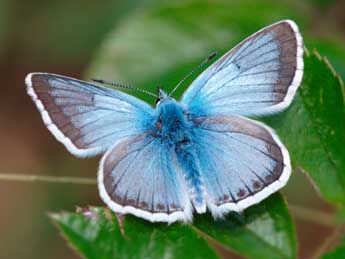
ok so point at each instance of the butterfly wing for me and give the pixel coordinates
(86, 118)
(141, 176)
(259, 76)
(241, 161)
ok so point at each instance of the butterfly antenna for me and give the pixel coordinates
(124, 86)
(211, 56)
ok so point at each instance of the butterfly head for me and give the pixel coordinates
(162, 96)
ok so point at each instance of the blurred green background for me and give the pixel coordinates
(85, 39)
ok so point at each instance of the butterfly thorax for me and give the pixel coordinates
(171, 123)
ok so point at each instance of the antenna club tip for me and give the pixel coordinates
(97, 80)
(212, 55)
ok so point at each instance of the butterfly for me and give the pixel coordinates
(200, 153)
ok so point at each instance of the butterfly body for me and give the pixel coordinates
(199, 153)
(175, 129)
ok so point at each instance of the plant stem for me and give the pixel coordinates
(313, 215)
(307, 214)
(330, 242)
(47, 179)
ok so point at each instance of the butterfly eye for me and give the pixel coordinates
(157, 100)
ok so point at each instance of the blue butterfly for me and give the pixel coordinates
(198, 153)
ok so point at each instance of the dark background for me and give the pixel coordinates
(62, 37)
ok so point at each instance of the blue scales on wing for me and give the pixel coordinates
(141, 176)
(259, 76)
(241, 162)
(86, 118)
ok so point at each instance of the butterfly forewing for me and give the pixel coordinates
(86, 118)
(259, 76)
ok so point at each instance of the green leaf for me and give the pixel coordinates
(263, 231)
(336, 254)
(313, 128)
(332, 49)
(96, 236)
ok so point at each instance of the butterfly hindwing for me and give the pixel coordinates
(141, 176)
(241, 161)
(259, 76)
(86, 118)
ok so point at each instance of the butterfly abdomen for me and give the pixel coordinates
(196, 189)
